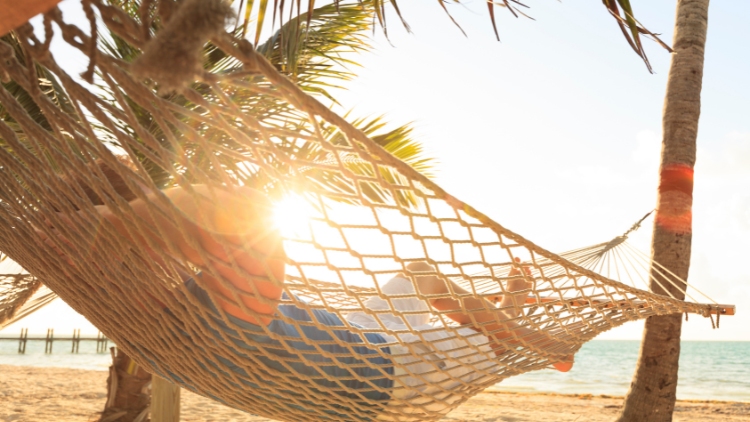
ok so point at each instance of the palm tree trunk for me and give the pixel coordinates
(652, 393)
(128, 391)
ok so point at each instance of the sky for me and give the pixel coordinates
(555, 131)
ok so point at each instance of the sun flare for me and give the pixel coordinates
(291, 216)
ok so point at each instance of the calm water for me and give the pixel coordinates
(708, 370)
(87, 358)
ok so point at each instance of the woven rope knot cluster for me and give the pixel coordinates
(352, 349)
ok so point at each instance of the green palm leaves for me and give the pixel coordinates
(314, 50)
(621, 11)
(46, 86)
(631, 28)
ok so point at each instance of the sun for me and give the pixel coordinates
(291, 216)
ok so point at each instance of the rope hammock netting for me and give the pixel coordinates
(390, 299)
(21, 295)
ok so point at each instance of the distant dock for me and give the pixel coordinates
(50, 339)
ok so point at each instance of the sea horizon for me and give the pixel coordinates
(709, 370)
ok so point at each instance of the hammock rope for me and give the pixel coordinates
(21, 295)
(620, 260)
(367, 217)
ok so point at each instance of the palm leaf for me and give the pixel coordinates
(48, 86)
(399, 142)
(631, 28)
(314, 50)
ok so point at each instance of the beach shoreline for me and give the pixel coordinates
(37, 394)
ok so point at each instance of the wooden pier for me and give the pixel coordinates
(50, 339)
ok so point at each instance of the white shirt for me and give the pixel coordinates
(433, 364)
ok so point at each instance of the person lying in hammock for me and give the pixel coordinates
(420, 362)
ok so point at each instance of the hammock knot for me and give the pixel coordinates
(613, 243)
(174, 57)
(165, 10)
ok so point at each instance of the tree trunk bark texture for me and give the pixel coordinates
(128, 391)
(652, 393)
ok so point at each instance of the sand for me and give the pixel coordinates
(70, 395)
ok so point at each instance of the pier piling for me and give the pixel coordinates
(101, 341)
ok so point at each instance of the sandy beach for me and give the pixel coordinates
(71, 395)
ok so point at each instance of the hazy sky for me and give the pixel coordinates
(555, 131)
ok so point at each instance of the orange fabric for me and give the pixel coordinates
(14, 13)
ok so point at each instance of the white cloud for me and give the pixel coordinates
(736, 212)
(737, 152)
(648, 148)
(727, 157)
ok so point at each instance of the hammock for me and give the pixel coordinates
(20, 296)
(366, 218)
(621, 261)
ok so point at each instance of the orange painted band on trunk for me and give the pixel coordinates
(676, 177)
(674, 211)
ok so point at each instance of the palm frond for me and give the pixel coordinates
(313, 49)
(398, 142)
(621, 11)
(632, 29)
(46, 84)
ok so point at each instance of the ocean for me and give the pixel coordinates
(709, 370)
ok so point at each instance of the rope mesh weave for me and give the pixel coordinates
(367, 216)
(16, 291)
